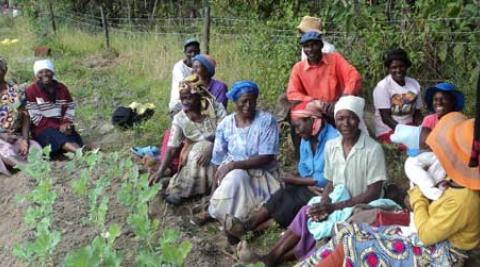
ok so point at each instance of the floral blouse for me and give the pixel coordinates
(183, 128)
(12, 102)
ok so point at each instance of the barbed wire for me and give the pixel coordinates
(223, 30)
(148, 17)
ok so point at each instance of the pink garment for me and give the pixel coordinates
(10, 152)
(306, 245)
(430, 121)
(163, 152)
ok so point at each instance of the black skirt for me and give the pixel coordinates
(284, 205)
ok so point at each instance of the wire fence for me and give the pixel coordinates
(235, 26)
(224, 28)
(442, 48)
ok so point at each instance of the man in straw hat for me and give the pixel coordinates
(309, 23)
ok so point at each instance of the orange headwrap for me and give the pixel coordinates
(301, 111)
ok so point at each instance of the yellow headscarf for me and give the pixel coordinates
(196, 86)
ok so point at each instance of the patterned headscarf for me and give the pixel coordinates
(195, 86)
(302, 111)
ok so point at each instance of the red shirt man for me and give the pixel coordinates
(322, 78)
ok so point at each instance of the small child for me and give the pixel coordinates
(422, 167)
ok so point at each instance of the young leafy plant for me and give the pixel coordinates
(39, 215)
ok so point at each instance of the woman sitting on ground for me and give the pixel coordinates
(204, 66)
(309, 182)
(52, 110)
(246, 146)
(353, 162)
(447, 228)
(14, 124)
(396, 98)
(194, 125)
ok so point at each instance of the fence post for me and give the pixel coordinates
(206, 28)
(52, 16)
(105, 28)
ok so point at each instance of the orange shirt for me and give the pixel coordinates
(328, 81)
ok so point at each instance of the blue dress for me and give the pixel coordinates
(285, 203)
(242, 191)
(236, 144)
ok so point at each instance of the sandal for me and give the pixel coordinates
(233, 226)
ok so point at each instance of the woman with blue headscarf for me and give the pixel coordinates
(204, 66)
(245, 150)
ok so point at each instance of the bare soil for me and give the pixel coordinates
(210, 247)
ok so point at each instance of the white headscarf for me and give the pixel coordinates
(43, 64)
(354, 104)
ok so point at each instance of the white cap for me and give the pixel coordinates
(356, 105)
(42, 65)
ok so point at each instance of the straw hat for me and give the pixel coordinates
(451, 141)
(309, 23)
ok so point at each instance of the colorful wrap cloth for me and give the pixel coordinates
(195, 86)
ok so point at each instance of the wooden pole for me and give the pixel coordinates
(152, 15)
(206, 28)
(52, 16)
(105, 28)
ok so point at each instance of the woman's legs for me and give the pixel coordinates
(233, 196)
(70, 147)
(260, 217)
(283, 249)
(293, 245)
(58, 140)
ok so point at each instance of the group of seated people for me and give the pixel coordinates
(341, 173)
(232, 159)
(43, 110)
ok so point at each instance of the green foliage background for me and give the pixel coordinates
(257, 40)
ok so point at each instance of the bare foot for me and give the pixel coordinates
(245, 255)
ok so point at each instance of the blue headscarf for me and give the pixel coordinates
(207, 61)
(240, 88)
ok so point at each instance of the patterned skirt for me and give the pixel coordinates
(193, 179)
(367, 246)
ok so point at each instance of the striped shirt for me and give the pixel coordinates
(49, 113)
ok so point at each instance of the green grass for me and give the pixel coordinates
(138, 68)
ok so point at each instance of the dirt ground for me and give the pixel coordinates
(210, 247)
